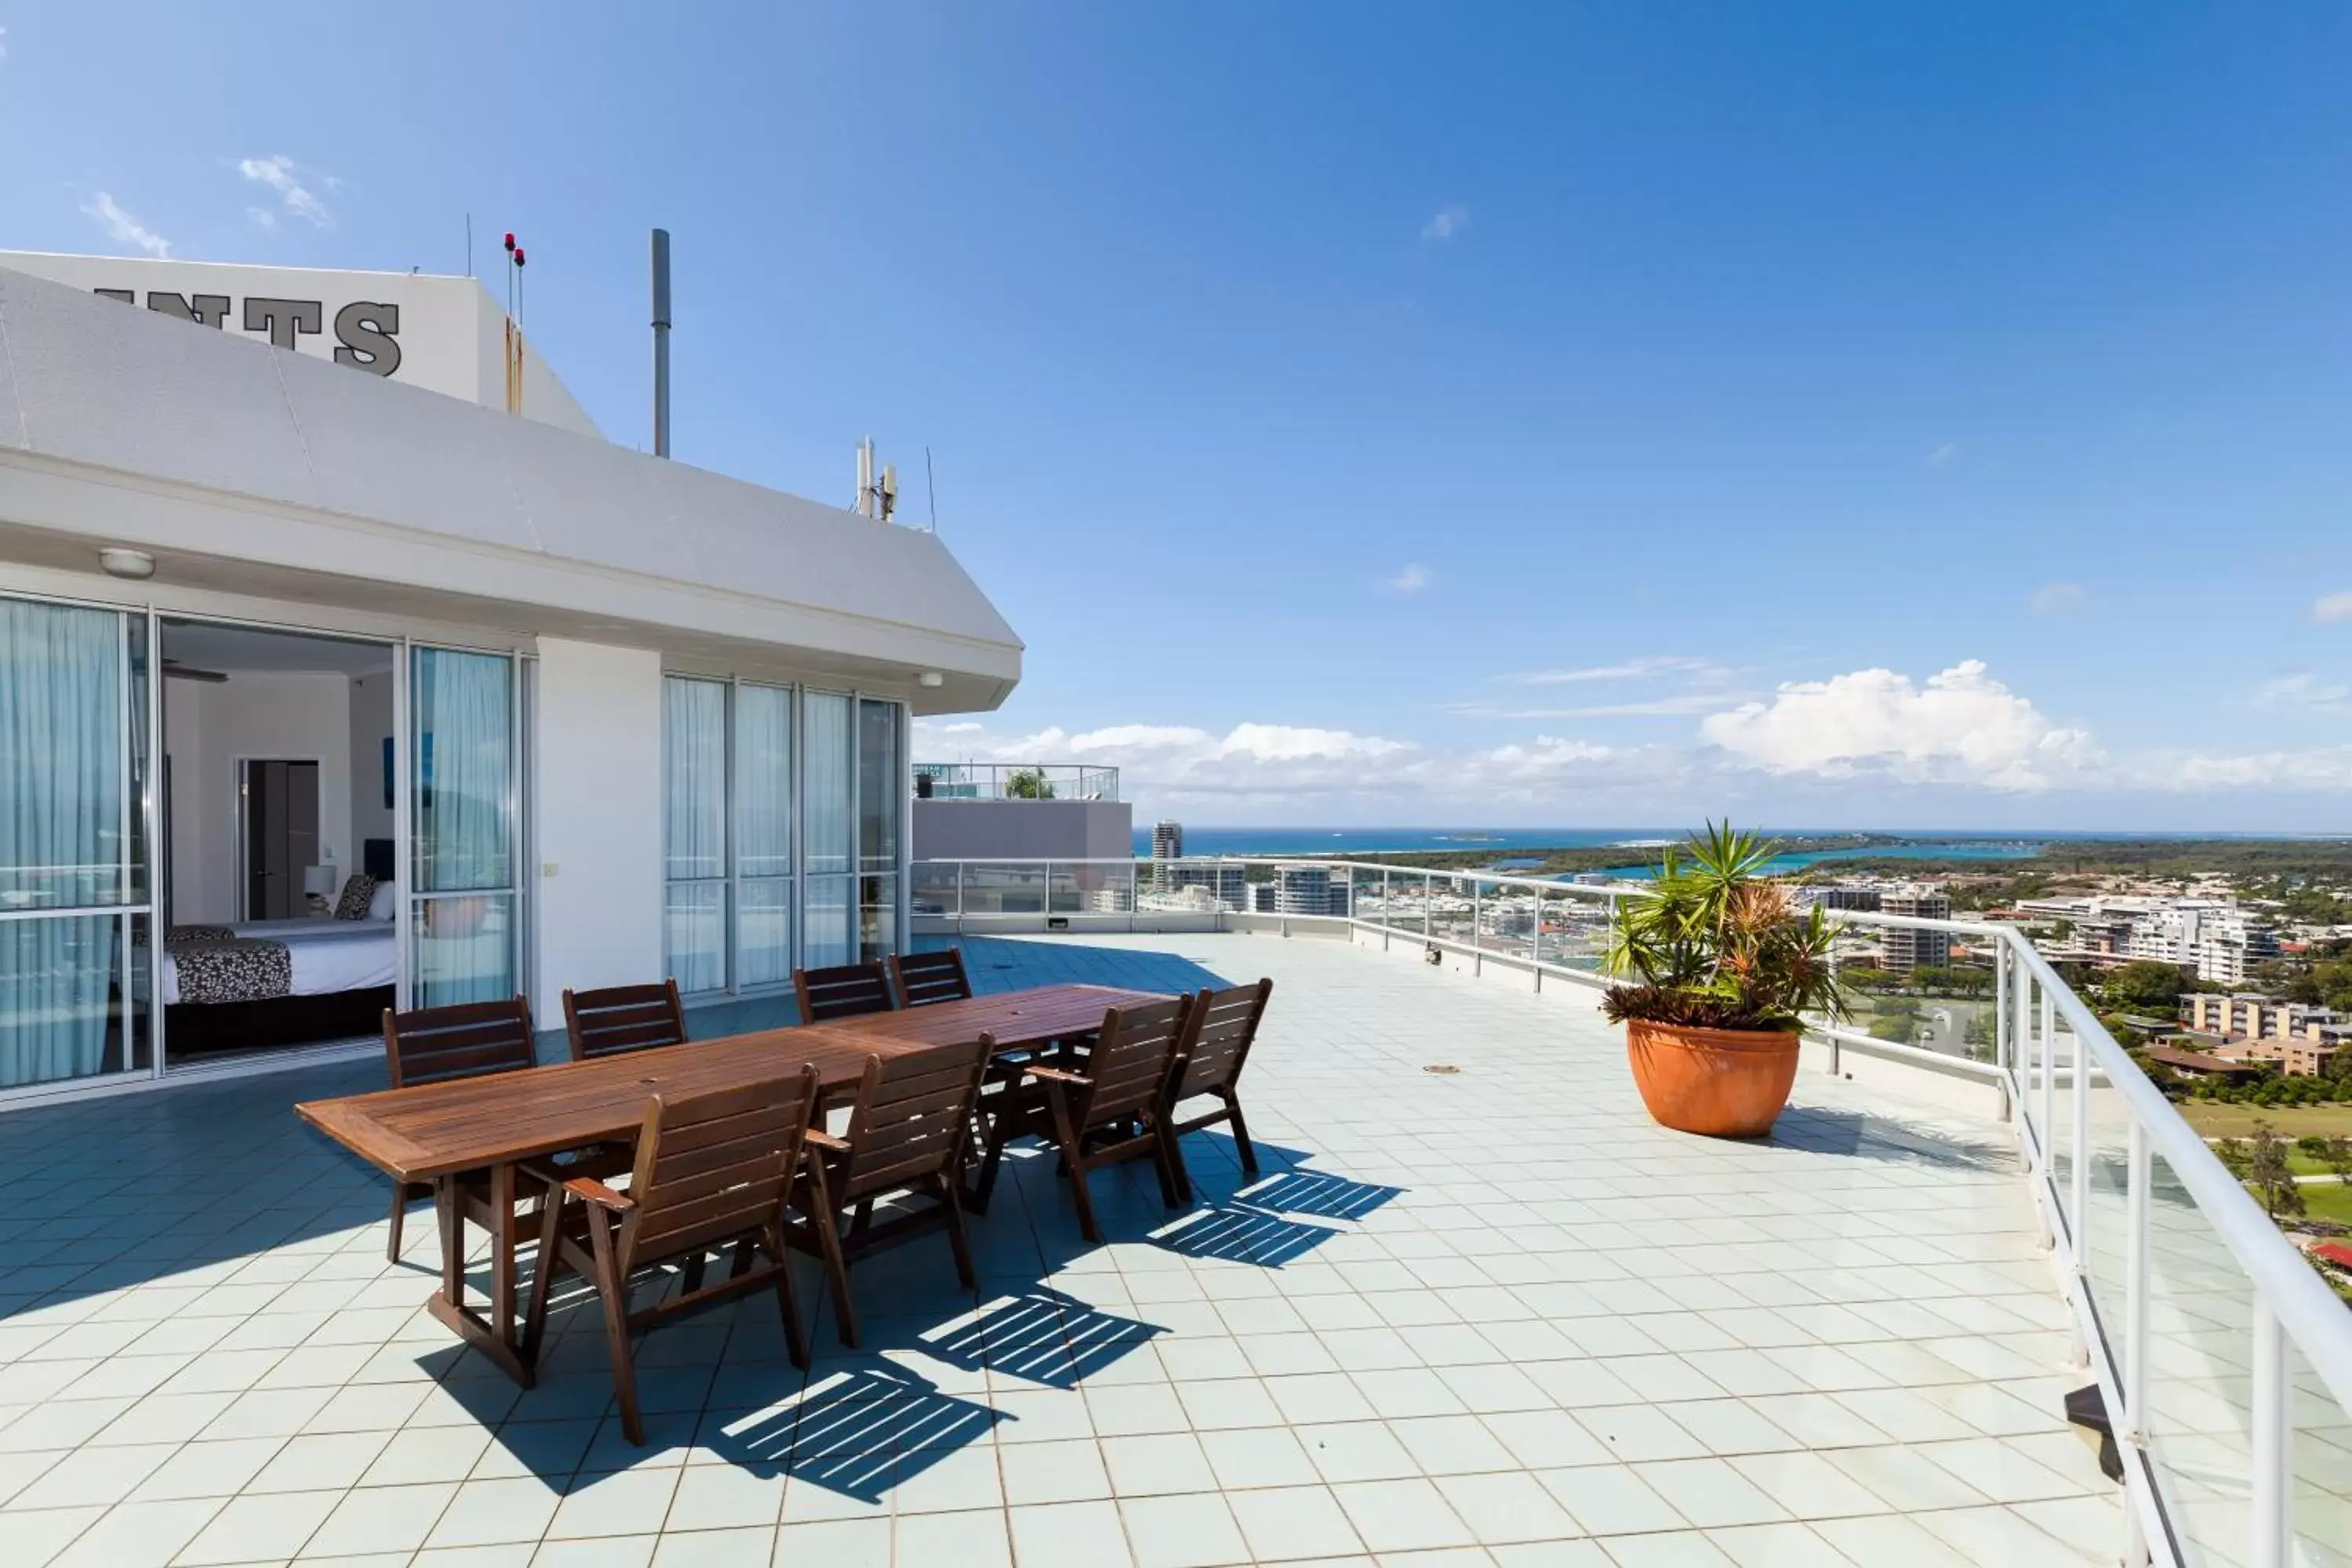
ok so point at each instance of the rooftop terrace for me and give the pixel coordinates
(1492, 1316)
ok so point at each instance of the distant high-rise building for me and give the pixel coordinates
(1308, 891)
(1905, 948)
(1168, 841)
(1227, 882)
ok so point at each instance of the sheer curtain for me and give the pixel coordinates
(829, 818)
(694, 785)
(880, 800)
(763, 817)
(61, 802)
(462, 787)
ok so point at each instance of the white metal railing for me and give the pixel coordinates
(1015, 781)
(2223, 1360)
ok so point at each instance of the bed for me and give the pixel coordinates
(258, 983)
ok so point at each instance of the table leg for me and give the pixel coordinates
(494, 1340)
(502, 1252)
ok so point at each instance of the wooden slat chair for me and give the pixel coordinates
(712, 1170)
(1223, 1027)
(1114, 1110)
(432, 1044)
(622, 1018)
(846, 991)
(908, 1132)
(923, 978)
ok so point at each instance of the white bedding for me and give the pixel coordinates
(328, 956)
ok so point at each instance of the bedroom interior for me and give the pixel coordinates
(278, 867)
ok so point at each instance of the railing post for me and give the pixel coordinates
(2047, 1028)
(960, 873)
(1388, 910)
(2273, 1520)
(2003, 957)
(1477, 933)
(2081, 1169)
(2138, 1172)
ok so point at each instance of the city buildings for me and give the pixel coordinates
(1167, 840)
(2301, 1038)
(2211, 934)
(1308, 891)
(1905, 950)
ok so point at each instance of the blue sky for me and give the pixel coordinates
(1877, 415)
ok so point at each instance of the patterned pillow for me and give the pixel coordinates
(358, 891)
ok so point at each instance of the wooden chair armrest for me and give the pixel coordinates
(820, 1139)
(1056, 1075)
(597, 1193)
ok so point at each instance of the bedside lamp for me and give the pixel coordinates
(319, 881)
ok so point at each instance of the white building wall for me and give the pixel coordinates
(297, 716)
(598, 784)
(449, 337)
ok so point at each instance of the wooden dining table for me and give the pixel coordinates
(481, 1129)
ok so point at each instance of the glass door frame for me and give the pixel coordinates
(125, 913)
(523, 671)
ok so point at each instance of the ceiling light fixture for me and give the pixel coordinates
(135, 564)
(930, 680)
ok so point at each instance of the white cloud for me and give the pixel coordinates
(1963, 727)
(1411, 578)
(1943, 455)
(1631, 669)
(262, 217)
(2302, 689)
(2332, 608)
(122, 227)
(2057, 598)
(283, 176)
(3, 43)
(1445, 223)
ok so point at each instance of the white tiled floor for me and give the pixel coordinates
(1493, 1317)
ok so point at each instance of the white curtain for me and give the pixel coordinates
(465, 770)
(829, 821)
(61, 760)
(463, 779)
(831, 815)
(763, 819)
(694, 818)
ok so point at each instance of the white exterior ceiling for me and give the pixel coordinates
(256, 470)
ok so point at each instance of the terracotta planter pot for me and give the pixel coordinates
(1723, 1083)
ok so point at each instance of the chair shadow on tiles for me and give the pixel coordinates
(1040, 1335)
(1236, 1234)
(859, 1433)
(1319, 1193)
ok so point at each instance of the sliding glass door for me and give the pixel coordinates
(76, 916)
(881, 806)
(464, 786)
(763, 836)
(829, 790)
(783, 830)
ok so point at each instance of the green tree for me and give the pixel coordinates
(2271, 1174)
(2235, 1157)
(1028, 783)
(1982, 1035)
(2335, 1153)
(2145, 985)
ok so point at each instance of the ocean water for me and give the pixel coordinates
(1641, 844)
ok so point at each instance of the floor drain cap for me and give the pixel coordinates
(1442, 1069)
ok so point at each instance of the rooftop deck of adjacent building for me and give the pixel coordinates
(1493, 1315)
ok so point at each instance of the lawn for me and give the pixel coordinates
(2327, 1200)
(2212, 1120)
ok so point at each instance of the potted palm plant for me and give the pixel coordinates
(1717, 970)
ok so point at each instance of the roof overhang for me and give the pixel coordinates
(249, 470)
